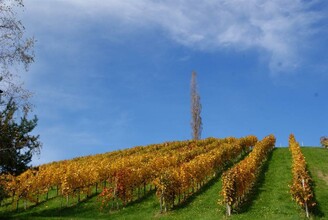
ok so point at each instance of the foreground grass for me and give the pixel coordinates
(270, 200)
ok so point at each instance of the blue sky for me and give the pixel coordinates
(115, 74)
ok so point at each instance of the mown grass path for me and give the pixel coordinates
(317, 161)
(203, 205)
(271, 199)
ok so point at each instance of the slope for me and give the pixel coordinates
(271, 200)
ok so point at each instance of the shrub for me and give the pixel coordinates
(324, 141)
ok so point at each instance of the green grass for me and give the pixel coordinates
(317, 161)
(270, 200)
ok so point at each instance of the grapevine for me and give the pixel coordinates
(301, 188)
(238, 181)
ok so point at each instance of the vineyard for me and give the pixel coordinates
(210, 177)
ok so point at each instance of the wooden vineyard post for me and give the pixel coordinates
(228, 209)
(78, 196)
(305, 203)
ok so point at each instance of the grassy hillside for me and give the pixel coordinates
(270, 200)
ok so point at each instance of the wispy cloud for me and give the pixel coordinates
(274, 28)
(86, 92)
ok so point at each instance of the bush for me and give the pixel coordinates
(324, 141)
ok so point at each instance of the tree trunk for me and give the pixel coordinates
(161, 203)
(131, 195)
(78, 196)
(161, 200)
(179, 197)
(13, 198)
(138, 192)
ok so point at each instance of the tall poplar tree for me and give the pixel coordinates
(196, 108)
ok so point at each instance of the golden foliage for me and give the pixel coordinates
(301, 188)
(238, 181)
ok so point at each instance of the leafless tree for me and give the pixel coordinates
(196, 108)
(16, 51)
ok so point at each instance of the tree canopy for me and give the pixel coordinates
(17, 145)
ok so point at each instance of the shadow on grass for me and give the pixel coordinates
(56, 211)
(89, 207)
(144, 197)
(256, 189)
(209, 184)
(14, 211)
(202, 190)
(316, 210)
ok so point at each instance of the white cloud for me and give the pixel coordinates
(275, 27)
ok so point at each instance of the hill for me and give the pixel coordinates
(270, 199)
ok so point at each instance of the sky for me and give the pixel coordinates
(115, 74)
